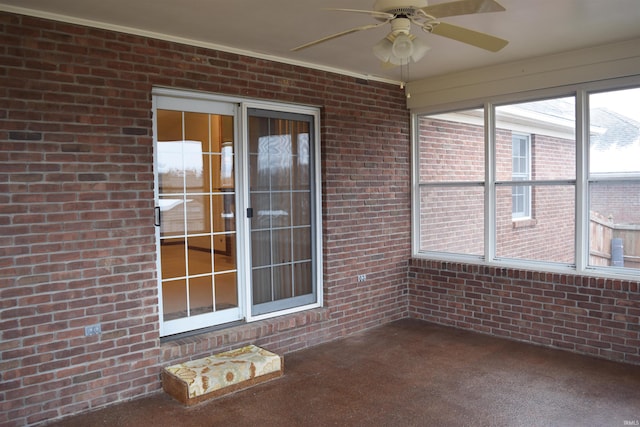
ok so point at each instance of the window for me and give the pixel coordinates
(548, 195)
(451, 156)
(549, 173)
(521, 171)
(614, 179)
(237, 210)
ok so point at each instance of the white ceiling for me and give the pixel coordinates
(270, 28)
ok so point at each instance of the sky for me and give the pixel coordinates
(625, 102)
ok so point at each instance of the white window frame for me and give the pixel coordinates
(199, 102)
(580, 92)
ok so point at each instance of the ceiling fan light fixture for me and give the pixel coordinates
(382, 49)
(420, 48)
(402, 47)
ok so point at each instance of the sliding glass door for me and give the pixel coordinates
(282, 202)
(237, 210)
(196, 216)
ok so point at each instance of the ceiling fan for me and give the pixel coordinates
(400, 46)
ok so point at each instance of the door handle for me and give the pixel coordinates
(156, 216)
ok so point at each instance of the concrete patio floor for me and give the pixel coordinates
(410, 373)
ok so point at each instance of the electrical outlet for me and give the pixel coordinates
(362, 277)
(92, 330)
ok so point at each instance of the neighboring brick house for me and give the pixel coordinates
(78, 242)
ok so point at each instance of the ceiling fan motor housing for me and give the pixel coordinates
(399, 7)
(400, 26)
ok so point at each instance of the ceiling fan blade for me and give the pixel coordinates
(340, 34)
(465, 35)
(374, 13)
(462, 7)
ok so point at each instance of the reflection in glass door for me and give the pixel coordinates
(196, 203)
(282, 245)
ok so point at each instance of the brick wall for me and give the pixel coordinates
(597, 317)
(77, 242)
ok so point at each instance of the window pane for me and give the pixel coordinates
(174, 299)
(200, 295)
(614, 119)
(614, 190)
(172, 255)
(199, 255)
(226, 295)
(261, 285)
(614, 227)
(452, 219)
(302, 243)
(171, 215)
(198, 218)
(452, 147)
(303, 278)
(550, 125)
(282, 282)
(548, 236)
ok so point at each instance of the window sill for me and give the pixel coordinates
(524, 223)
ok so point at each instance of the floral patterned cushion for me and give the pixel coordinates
(224, 372)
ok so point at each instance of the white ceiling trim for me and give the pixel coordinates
(186, 41)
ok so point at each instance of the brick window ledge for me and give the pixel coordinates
(524, 223)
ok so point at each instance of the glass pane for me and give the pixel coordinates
(282, 282)
(302, 243)
(261, 285)
(199, 255)
(226, 295)
(258, 127)
(169, 125)
(302, 278)
(614, 139)
(196, 128)
(171, 215)
(280, 166)
(302, 211)
(452, 219)
(281, 246)
(225, 252)
(259, 177)
(550, 126)
(174, 299)
(280, 209)
(195, 177)
(224, 175)
(224, 219)
(260, 248)
(614, 227)
(301, 137)
(550, 233)
(221, 132)
(198, 217)
(261, 204)
(452, 146)
(301, 164)
(172, 255)
(170, 166)
(200, 295)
